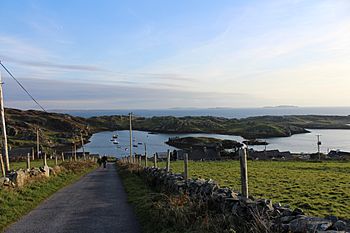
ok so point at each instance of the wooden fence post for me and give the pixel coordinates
(56, 161)
(33, 155)
(185, 166)
(28, 161)
(155, 160)
(168, 162)
(62, 157)
(2, 166)
(244, 171)
(75, 152)
(45, 160)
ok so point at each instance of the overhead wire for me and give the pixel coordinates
(20, 84)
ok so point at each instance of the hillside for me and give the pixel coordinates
(55, 130)
(249, 128)
(59, 130)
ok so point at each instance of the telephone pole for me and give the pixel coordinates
(318, 146)
(37, 143)
(145, 154)
(130, 132)
(82, 144)
(3, 125)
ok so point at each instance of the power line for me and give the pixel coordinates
(22, 86)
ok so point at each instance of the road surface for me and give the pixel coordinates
(96, 203)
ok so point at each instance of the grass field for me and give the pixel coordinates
(35, 163)
(319, 189)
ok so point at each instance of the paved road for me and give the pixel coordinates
(96, 203)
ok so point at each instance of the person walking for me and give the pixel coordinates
(104, 161)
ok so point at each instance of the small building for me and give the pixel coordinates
(337, 154)
(269, 155)
(200, 153)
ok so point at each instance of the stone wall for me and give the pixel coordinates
(21, 177)
(230, 205)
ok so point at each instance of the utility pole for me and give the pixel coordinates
(75, 151)
(3, 125)
(244, 171)
(82, 144)
(318, 146)
(130, 132)
(37, 143)
(145, 154)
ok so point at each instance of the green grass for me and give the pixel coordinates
(35, 163)
(14, 203)
(138, 192)
(320, 189)
(167, 213)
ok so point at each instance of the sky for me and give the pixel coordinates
(110, 54)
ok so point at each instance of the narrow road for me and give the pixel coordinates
(96, 203)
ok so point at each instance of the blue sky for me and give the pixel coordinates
(162, 54)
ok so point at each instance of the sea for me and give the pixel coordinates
(331, 139)
(217, 112)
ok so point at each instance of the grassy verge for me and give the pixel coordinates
(167, 213)
(14, 203)
(320, 189)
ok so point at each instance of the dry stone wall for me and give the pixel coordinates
(21, 177)
(231, 205)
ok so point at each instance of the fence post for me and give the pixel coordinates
(45, 159)
(244, 171)
(155, 160)
(146, 160)
(168, 162)
(2, 166)
(56, 161)
(62, 157)
(28, 161)
(33, 156)
(185, 166)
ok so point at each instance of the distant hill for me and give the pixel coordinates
(59, 130)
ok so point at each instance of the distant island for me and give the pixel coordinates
(282, 106)
(60, 130)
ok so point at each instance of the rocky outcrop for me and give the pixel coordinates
(261, 214)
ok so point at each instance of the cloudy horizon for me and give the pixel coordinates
(151, 55)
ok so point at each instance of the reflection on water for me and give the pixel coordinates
(101, 142)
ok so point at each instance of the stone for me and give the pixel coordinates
(8, 182)
(339, 225)
(309, 224)
(2, 180)
(333, 218)
(45, 170)
(298, 211)
(285, 211)
(19, 178)
(330, 231)
(287, 219)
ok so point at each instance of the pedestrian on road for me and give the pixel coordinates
(104, 161)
